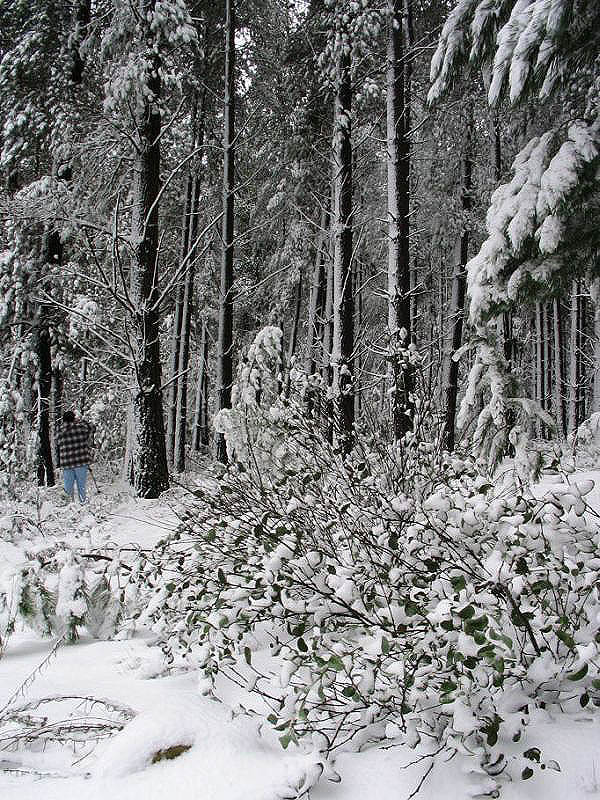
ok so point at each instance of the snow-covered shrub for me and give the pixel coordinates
(585, 443)
(57, 590)
(403, 594)
(248, 427)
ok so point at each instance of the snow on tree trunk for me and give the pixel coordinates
(595, 295)
(56, 394)
(199, 431)
(148, 471)
(45, 466)
(82, 16)
(176, 329)
(188, 301)
(398, 209)
(225, 336)
(291, 351)
(575, 357)
(459, 285)
(559, 370)
(316, 296)
(358, 322)
(343, 302)
(539, 361)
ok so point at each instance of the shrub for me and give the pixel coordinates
(403, 594)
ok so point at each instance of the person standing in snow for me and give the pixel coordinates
(73, 444)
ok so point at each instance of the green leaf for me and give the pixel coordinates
(527, 773)
(302, 646)
(385, 646)
(221, 576)
(448, 686)
(533, 754)
(577, 676)
(248, 655)
(467, 612)
(335, 663)
(566, 638)
(458, 583)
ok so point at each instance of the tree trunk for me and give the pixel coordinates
(459, 282)
(559, 371)
(188, 303)
(45, 468)
(539, 360)
(57, 401)
(316, 296)
(83, 376)
(595, 295)
(225, 336)
(199, 431)
(148, 471)
(358, 321)
(293, 340)
(398, 210)
(176, 329)
(575, 358)
(343, 301)
(82, 15)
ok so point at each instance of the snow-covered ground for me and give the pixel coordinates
(225, 757)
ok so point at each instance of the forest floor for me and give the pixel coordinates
(228, 758)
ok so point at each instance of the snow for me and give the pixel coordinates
(228, 757)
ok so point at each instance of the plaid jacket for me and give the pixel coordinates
(74, 443)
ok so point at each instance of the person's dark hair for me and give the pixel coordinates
(68, 417)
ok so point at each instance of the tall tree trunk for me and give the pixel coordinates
(327, 370)
(83, 377)
(188, 302)
(51, 254)
(539, 360)
(148, 471)
(594, 288)
(343, 301)
(57, 401)
(575, 358)
(225, 336)
(293, 340)
(45, 468)
(199, 432)
(559, 404)
(317, 295)
(398, 210)
(82, 15)
(358, 321)
(177, 320)
(459, 280)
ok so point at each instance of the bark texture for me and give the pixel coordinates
(225, 336)
(459, 280)
(343, 300)
(398, 211)
(148, 471)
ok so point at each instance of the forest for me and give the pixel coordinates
(322, 280)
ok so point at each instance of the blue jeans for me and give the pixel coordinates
(74, 475)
